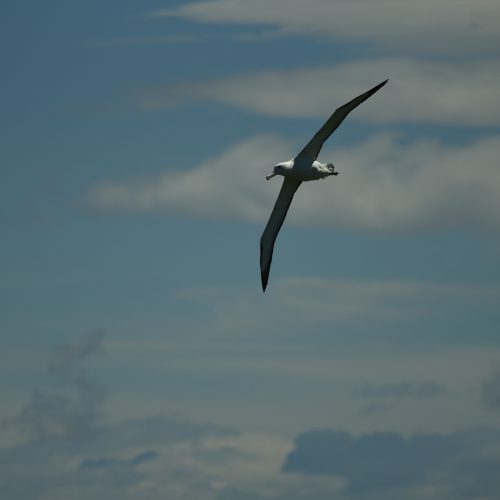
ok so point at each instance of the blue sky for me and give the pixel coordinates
(139, 357)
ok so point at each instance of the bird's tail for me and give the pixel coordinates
(331, 167)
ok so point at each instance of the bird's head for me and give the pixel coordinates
(277, 170)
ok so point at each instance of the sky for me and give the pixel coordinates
(139, 357)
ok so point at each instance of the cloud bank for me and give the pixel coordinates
(157, 457)
(434, 27)
(383, 184)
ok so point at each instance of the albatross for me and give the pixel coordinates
(302, 168)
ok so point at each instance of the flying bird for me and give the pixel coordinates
(304, 167)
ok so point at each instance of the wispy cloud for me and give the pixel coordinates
(67, 357)
(433, 27)
(149, 457)
(338, 314)
(418, 91)
(73, 413)
(383, 184)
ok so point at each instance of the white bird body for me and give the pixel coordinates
(304, 167)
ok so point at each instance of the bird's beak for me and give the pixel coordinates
(270, 176)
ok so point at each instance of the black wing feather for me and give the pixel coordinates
(288, 189)
(313, 147)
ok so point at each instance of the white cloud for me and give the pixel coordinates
(435, 27)
(383, 184)
(448, 93)
(217, 187)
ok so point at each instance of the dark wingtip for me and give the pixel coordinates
(264, 278)
(380, 85)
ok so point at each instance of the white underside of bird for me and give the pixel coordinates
(302, 168)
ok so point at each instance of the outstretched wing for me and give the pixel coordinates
(274, 225)
(313, 147)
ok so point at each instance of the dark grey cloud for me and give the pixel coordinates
(72, 411)
(70, 452)
(490, 391)
(417, 390)
(49, 414)
(372, 461)
(386, 464)
(66, 358)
